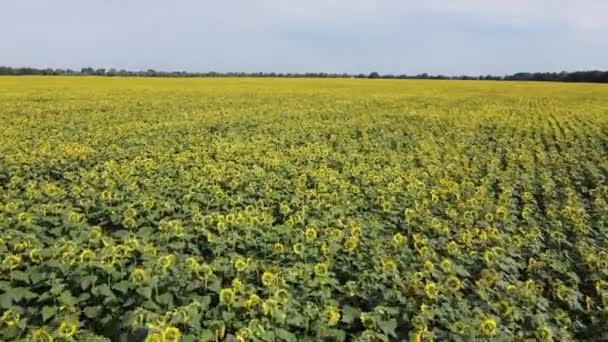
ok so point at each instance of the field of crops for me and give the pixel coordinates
(284, 210)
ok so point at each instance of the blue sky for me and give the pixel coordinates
(389, 36)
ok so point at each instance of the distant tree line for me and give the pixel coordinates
(577, 76)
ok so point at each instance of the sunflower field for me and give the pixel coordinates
(136, 209)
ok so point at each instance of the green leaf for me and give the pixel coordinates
(6, 300)
(19, 293)
(388, 327)
(67, 299)
(104, 290)
(285, 335)
(122, 286)
(146, 292)
(207, 335)
(215, 285)
(349, 314)
(92, 311)
(37, 277)
(48, 312)
(205, 301)
(188, 338)
(227, 316)
(88, 281)
(166, 299)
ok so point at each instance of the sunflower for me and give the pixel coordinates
(351, 243)
(453, 283)
(389, 265)
(227, 296)
(321, 269)
(310, 234)
(431, 290)
(332, 316)
(298, 248)
(171, 334)
(279, 248)
(10, 318)
(253, 300)
(446, 265)
(268, 279)
(67, 329)
(241, 264)
(398, 240)
(154, 337)
(488, 327)
(138, 276)
(41, 335)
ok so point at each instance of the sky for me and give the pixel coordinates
(450, 37)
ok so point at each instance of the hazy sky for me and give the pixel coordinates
(388, 36)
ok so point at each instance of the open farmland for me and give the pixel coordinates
(278, 209)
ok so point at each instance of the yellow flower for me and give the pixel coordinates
(130, 213)
(367, 320)
(268, 279)
(67, 329)
(602, 287)
(241, 264)
(35, 256)
(453, 248)
(171, 334)
(334, 233)
(298, 248)
(321, 269)
(129, 222)
(332, 316)
(40, 335)
(544, 333)
(242, 335)
(138, 275)
(154, 337)
(501, 212)
(148, 204)
(227, 296)
(74, 217)
(52, 190)
(10, 318)
(86, 255)
(431, 290)
(446, 265)
(237, 284)
(281, 295)
(460, 327)
(311, 234)
(488, 327)
(398, 240)
(166, 261)
(95, 233)
(453, 283)
(253, 300)
(428, 265)
(351, 243)
(562, 292)
(489, 256)
(422, 336)
(204, 272)
(389, 265)
(489, 217)
(12, 261)
(279, 248)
